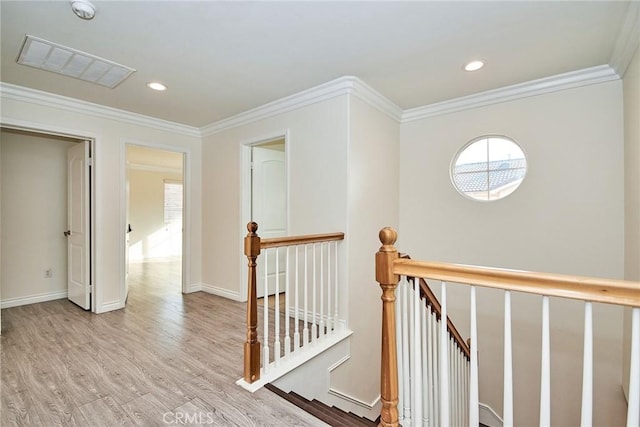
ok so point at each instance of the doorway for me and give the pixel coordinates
(155, 219)
(266, 196)
(47, 219)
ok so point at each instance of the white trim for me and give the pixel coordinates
(245, 191)
(489, 417)
(32, 299)
(573, 79)
(221, 292)
(341, 86)
(375, 99)
(96, 213)
(194, 287)
(152, 168)
(186, 209)
(627, 41)
(33, 96)
(294, 360)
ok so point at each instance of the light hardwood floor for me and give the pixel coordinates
(166, 359)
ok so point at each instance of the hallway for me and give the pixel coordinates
(166, 358)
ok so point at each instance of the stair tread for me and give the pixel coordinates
(332, 415)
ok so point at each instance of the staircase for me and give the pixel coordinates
(333, 416)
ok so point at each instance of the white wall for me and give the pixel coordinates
(372, 203)
(631, 86)
(111, 135)
(34, 217)
(151, 237)
(566, 217)
(316, 178)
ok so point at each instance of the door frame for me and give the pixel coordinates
(46, 129)
(245, 191)
(186, 210)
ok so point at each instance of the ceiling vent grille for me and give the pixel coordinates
(48, 56)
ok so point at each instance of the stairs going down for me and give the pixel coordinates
(331, 415)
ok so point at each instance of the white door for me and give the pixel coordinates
(269, 208)
(127, 234)
(78, 225)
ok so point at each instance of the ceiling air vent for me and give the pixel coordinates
(45, 55)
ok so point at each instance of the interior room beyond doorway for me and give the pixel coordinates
(155, 218)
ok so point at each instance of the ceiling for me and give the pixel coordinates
(223, 58)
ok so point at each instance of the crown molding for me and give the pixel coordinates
(375, 99)
(628, 40)
(341, 86)
(37, 97)
(587, 76)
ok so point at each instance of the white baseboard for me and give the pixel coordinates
(32, 299)
(194, 287)
(221, 292)
(489, 417)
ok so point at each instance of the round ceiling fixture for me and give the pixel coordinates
(474, 65)
(83, 8)
(156, 86)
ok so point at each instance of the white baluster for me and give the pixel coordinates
(314, 314)
(507, 396)
(305, 330)
(436, 369)
(287, 302)
(322, 330)
(429, 392)
(587, 367)
(265, 310)
(276, 318)
(425, 362)
(296, 327)
(633, 410)
(545, 371)
(474, 409)
(329, 289)
(416, 356)
(399, 348)
(444, 360)
(335, 283)
(405, 351)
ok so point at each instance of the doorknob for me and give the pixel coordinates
(129, 229)
(67, 233)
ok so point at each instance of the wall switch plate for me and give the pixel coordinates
(48, 273)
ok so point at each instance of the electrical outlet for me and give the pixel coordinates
(48, 273)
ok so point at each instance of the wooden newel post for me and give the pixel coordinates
(389, 362)
(252, 345)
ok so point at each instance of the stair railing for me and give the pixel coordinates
(305, 271)
(418, 324)
(390, 270)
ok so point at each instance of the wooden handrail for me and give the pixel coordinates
(278, 242)
(608, 291)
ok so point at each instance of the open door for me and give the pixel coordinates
(78, 231)
(268, 205)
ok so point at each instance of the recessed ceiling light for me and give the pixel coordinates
(83, 8)
(156, 86)
(474, 65)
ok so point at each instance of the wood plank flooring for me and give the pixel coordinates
(166, 359)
